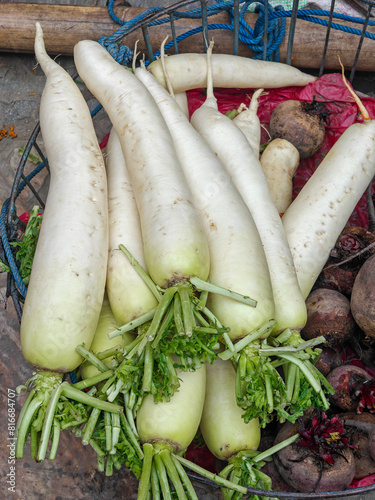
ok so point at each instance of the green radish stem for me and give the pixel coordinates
(185, 479)
(92, 359)
(132, 324)
(142, 273)
(48, 422)
(92, 381)
(148, 453)
(209, 475)
(155, 486)
(55, 439)
(201, 285)
(168, 462)
(180, 314)
(41, 406)
(241, 344)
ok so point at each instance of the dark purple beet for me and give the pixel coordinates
(362, 429)
(346, 381)
(315, 462)
(371, 444)
(339, 275)
(328, 360)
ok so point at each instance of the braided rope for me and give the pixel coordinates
(253, 38)
(8, 251)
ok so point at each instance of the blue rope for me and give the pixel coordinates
(8, 250)
(4, 234)
(253, 38)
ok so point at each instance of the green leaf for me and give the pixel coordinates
(4, 268)
(27, 246)
(31, 156)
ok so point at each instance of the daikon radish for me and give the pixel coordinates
(317, 216)
(279, 161)
(175, 246)
(245, 170)
(189, 71)
(67, 281)
(128, 294)
(248, 122)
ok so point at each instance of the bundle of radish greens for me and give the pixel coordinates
(181, 292)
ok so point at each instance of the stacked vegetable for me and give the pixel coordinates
(176, 248)
(67, 281)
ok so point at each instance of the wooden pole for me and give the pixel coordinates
(65, 25)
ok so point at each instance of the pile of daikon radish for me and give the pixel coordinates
(192, 318)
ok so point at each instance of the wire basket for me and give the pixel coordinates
(271, 38)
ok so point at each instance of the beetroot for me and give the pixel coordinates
(362, 427)
(353, 388)
(328, 314)
(351, 250)
(321, 460)
(300, 123)
(278, 483)
(363, 297)
(328, 360)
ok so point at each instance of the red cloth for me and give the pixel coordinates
(366, 481)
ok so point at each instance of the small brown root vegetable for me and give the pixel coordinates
(328, 314)
(300, 123)
(363, 297)
(279, 161)
(321, 460)
(328, 360)
(353, 388)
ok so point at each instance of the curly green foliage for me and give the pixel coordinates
(27, 246)
(124, 451)
(3, 267)
(171, 351)
(260, 390)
